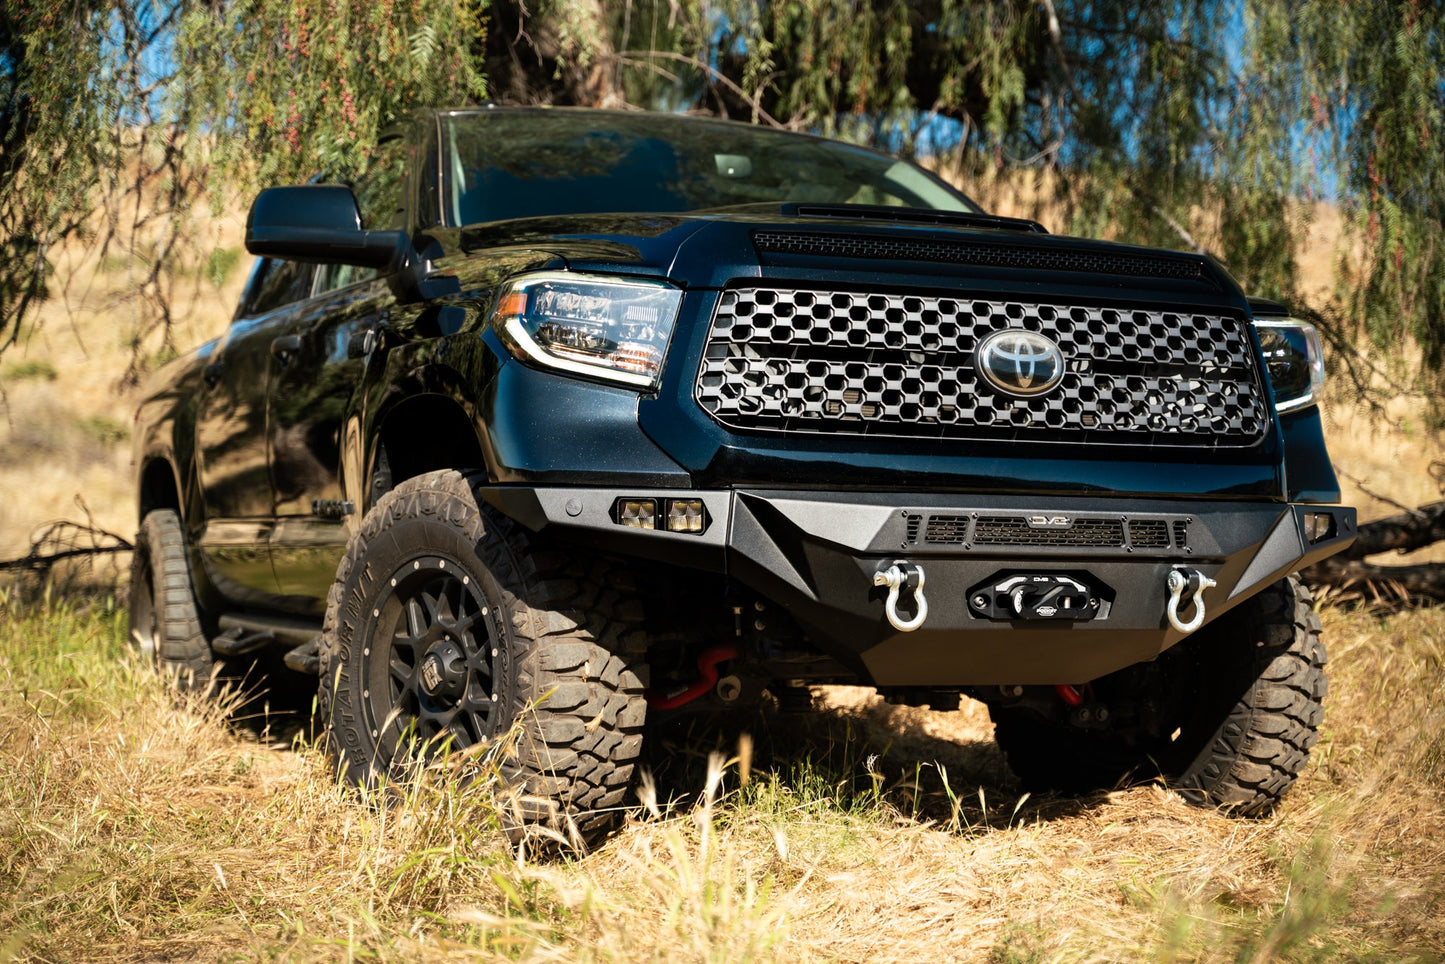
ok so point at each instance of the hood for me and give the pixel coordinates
(707, 249)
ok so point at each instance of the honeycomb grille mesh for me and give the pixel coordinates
(847, 363)
(964, 252)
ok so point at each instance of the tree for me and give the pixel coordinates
(1205, 123)
(118, 117)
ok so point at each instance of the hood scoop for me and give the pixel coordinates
(935, 250)
(878, 212)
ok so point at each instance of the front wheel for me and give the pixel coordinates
(1227, 717)
(449, 625)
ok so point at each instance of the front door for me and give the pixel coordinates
(314, 424)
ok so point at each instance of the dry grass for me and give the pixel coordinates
(139, 827)
(65, 413)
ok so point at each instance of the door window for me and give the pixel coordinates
(275, 284)
(381, 200)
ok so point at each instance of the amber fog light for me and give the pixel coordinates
(686, 515)
(637, 513)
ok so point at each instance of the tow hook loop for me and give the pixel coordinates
(1190, 583)
(1069, 694)
(707, 676)
(900, 576)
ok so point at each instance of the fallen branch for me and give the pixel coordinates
(1404, 532)
(56, 541)
(1426, 579)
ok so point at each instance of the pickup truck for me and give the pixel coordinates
(554, 421)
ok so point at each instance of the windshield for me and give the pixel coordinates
(523, 164)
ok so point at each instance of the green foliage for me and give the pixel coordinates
(117, 115)
(1211, 124)
(102, 429)
(26, 371)
(220, 263)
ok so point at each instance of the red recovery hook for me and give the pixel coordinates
(706, 679)
(1069, 694)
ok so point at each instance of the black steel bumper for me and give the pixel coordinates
(816, 553)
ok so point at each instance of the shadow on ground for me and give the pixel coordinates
(858, 754)
(855, 750)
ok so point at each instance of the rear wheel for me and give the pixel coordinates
(1227, 717)
(164, 620)
(448, 626)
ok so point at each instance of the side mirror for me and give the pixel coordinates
(318, 224)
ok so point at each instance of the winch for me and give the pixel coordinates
(1048, 596)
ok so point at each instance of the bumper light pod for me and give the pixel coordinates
(1319, 526)
(686, 515)
(601, 327)
(637, 513)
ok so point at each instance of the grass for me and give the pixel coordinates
(136, 825)
(37, 370)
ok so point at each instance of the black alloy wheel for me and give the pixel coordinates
(443, 679)
(451, 627)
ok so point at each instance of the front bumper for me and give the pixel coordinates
(816, 554)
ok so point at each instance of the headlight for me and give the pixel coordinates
(589, 325)
(1295, 361)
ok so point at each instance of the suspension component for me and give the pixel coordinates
(707, 677)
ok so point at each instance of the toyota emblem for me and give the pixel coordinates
(1020, 362)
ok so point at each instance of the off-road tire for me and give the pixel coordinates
(556, 636)
(164, 620)
(1245, 696)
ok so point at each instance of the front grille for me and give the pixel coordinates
(1001, 255)
(1045, 530)
(1149, 534)
(1018, 532)
(892, 365)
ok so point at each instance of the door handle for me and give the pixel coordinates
(362, 343)
(286, 346)
(211, 374)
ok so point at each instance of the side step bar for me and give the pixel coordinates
(242, 634)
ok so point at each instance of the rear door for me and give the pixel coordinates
(231, 446)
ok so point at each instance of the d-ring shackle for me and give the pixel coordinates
(1191, 583)
(903, 575)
